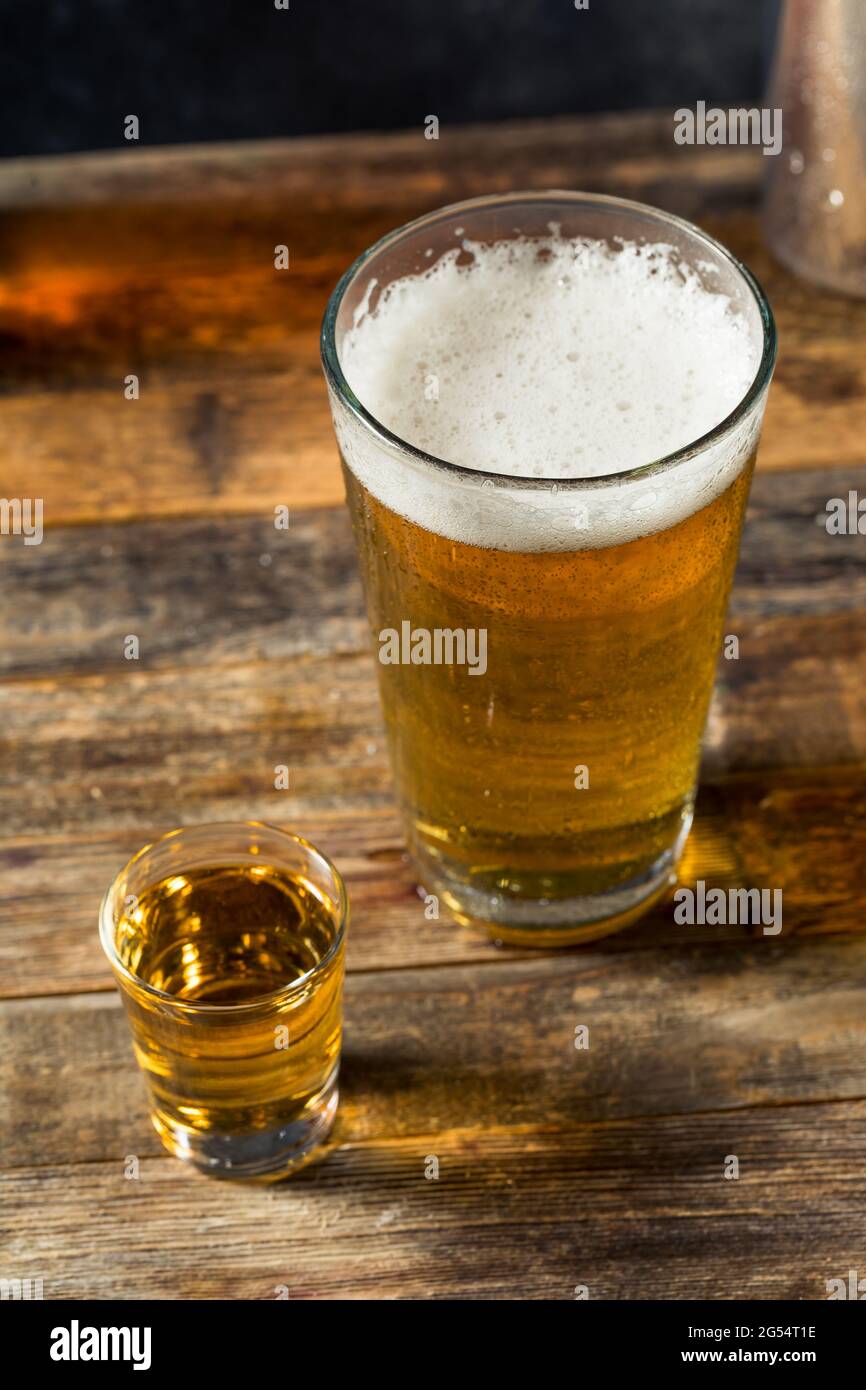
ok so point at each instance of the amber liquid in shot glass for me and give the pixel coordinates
(227, 944)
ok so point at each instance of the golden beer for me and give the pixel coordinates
(596, 659)
(547, 792)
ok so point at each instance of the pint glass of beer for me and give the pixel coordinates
(547, 407)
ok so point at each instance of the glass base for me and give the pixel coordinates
(265, 1155)
(552, 922)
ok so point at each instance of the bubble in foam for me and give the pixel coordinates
(557, 359)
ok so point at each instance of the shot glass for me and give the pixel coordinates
(227, 942)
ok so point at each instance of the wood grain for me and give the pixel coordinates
(629, 1209)
(207, 590)
(273, 659)
(490, 1045)
(801, 831)
(557, 1167)
(119, 749)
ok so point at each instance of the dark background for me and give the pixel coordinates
(70, 70)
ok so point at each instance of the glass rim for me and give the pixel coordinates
(107, 922)
(337, 381)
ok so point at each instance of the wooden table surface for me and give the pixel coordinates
(557, 1168)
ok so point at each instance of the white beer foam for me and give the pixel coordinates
(557, 359)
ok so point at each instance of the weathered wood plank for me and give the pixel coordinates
(201, 590)
(161, 264)
(367, 169)
(194, 593)
(632, 1210)
(481, 1046)
(123, 749)
(50, 890)
(789, 563)
(271, 658)
(807, 837)
(135, 747)
(795, 696)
